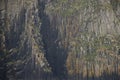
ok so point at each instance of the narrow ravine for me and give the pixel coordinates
(55, 55)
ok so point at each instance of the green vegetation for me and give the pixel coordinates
(60, 40)
(65, 7)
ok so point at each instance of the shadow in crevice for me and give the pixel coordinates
(55, 55)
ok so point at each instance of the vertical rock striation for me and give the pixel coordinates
(59, 39)
(90, 31)
(25, 53)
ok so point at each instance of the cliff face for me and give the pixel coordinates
(24, 54)
(90, 31)
(59, 39)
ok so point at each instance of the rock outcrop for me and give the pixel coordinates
(59, 39)
(20, 33)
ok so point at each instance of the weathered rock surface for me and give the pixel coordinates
(59, 39)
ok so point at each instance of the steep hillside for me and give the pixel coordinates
(59, 39)
(24, 53)
(89, 31)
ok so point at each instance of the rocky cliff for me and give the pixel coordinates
(59, 39)
(20, 35)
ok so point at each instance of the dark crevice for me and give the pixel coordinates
(3, 59)
(55, 55)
